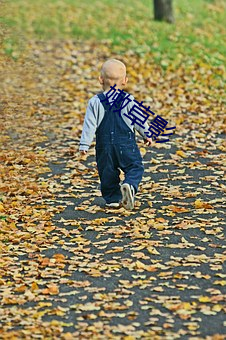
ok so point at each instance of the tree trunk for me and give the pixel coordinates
(163, 10)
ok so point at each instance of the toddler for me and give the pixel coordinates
(116, 146)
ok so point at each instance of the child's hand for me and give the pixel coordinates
(83, 152)
(148, 141)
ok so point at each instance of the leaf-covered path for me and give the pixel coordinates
(69, 268)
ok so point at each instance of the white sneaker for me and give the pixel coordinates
(113, 205)
(128, 194)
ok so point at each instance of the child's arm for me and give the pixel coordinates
(147, 141)
(89, 128)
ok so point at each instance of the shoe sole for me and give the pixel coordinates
(115, 206)
(127, 197)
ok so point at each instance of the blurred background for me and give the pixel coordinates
(198, 29)
(174, 51)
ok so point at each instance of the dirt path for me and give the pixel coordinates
(71, 269)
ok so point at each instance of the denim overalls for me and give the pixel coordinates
(116, 149)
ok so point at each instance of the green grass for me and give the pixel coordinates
(198, 31)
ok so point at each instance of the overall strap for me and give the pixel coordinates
(103, 101)
(102, 98)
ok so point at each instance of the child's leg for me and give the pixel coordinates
(131, 164)
(107, 166)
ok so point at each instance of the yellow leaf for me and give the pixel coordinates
(99, 221)
(78, 239)
(155, 161)
(34, 286)
(153, 251)
(158, 289)
(67, 336)
(12, 225)
(187, 305)
(1, 208)
(204, 299)
(181, 153)
(140, 265)
(217, 308)
(115, 250)
(200, 204)
(193, 326)
(38, 315)
(44, 304)
(160, 227)
(143, 151)
(222, 282)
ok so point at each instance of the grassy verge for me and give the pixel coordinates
(197, 33)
